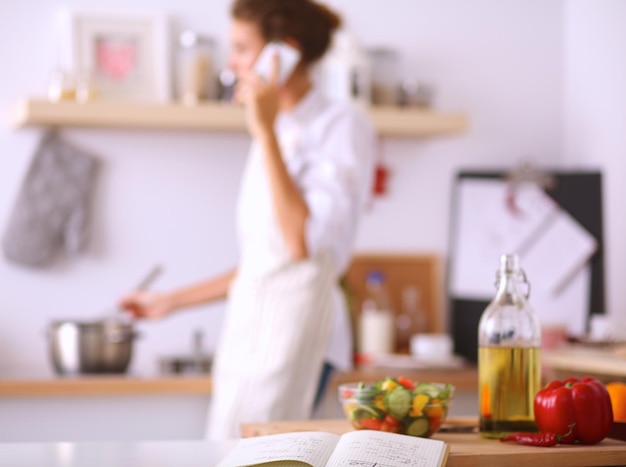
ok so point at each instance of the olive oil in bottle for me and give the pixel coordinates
(509, 355)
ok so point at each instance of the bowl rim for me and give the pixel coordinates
(355, 386)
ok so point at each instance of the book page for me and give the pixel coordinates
(369, 448)
(286, 450)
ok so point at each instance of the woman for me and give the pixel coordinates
(304, 187)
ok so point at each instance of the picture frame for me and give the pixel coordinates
(123, 55)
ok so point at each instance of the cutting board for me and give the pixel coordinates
(469, 449)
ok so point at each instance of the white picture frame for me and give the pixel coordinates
(125, 55)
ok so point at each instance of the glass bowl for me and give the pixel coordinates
(397, 405)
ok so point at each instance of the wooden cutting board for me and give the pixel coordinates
(470, 450)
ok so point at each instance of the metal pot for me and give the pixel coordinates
(103, 346)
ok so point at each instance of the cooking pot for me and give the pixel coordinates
(99, 346)
(103, 346)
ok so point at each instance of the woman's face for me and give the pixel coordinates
(246, 44)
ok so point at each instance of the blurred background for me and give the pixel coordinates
(538, 80)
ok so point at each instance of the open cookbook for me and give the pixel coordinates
(364, 448)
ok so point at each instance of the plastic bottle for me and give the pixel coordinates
(377, 323)
(509, 355)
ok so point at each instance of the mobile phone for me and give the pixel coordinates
(288, 59)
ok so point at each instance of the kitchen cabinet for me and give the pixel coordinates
(116, 454)
(389, 121)
(48, 408)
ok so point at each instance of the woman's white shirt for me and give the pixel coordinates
(328, 149)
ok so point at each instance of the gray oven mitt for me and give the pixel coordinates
(51, 210)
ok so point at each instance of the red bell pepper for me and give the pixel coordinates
(583, 402)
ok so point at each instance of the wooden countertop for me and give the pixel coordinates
(469, 450)
(103, 385)
(569, 361)
(605, 363)
(43, 385)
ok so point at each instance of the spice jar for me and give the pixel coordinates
(195, 68)
(384, 76)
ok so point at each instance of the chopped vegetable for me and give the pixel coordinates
(397, 405)
(419, 402)
(406, 382)
(398, 401)
(418, 427)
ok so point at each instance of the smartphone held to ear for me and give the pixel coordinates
(288, 58)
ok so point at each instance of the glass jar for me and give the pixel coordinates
(195, 68)
(377, 323)
(384, 76)
(509, 355)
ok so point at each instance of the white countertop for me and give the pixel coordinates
(136, 454)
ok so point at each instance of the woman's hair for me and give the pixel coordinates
(310, 23)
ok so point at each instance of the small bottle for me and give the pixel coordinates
(509, 355)
(195, 68)
(411, 319)
(377, 324)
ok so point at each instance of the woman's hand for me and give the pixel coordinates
(260, 99)
(150, 305)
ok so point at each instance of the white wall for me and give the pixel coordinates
(169, 196)
(595, 121)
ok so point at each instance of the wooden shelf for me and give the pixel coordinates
(390, 121)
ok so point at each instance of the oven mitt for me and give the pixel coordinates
(52, 206)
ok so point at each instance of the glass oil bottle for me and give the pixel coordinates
(509, 355)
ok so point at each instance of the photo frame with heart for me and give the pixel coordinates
(123, 55)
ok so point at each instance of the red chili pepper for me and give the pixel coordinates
(537, 439)
(584, 403)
